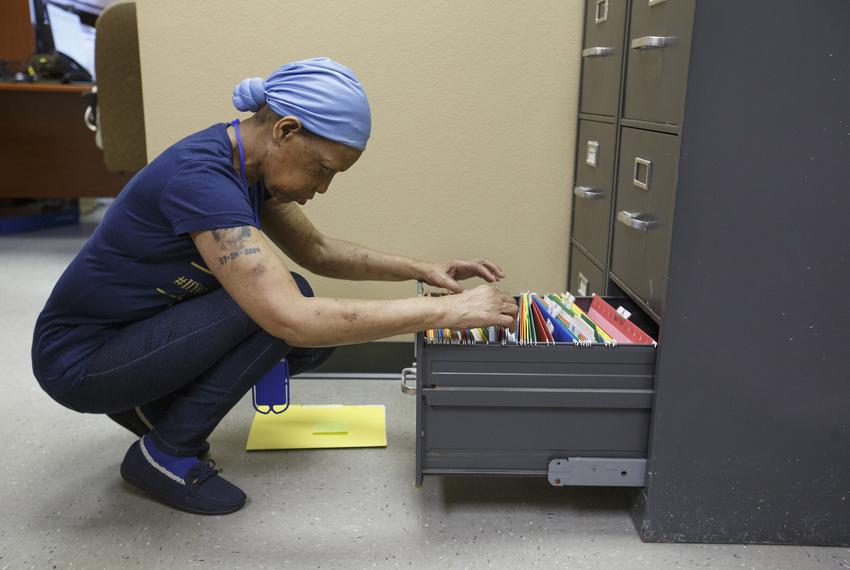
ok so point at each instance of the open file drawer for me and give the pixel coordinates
(511, 410)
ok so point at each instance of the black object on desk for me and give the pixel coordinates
(56, 66)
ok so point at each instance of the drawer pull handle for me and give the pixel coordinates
(587, 192)
(633, 220)
(406, 388)
(647, 42)
(596, 51)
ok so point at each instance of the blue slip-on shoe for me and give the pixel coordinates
(202, 491)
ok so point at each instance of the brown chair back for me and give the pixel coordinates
(119, 89)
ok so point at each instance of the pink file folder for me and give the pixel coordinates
(618, 327)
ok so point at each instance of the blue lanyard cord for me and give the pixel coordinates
(235, 124)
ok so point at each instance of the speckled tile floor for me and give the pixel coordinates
(64, 505)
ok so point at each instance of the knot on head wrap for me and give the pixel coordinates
(250, 94)
(325, 95)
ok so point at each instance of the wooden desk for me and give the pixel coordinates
(46, 150)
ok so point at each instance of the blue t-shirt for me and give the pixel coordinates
(140, 259)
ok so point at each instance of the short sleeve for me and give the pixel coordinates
(206, 196)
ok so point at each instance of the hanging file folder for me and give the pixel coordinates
(616, 324)
(550, 319)
(559, 330)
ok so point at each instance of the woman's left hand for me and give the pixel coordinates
(446, 274)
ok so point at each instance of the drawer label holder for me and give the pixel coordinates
(597, 471)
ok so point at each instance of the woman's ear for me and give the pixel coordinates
(285, 127)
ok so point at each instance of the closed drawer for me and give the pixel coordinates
(659, 46)
(602, 54)
(593, 190)
(646, 183)
(512, 409)
(585, 277)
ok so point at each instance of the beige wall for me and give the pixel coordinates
(474, 117)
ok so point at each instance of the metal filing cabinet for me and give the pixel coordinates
(732, 166)
(603, 58)
(628, 238)
(742, 136)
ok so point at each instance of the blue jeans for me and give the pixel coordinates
(190, 364)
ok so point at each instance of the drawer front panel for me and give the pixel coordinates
(659, 46)
(541, 367)
(541, 434)
(593, 190)
(585, 277)
(604, 32)
(538, 398)
(646, 184)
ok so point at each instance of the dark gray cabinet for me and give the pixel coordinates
(728, 229)
(629, 236)
(725, 228)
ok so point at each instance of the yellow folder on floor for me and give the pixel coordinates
(315, 427)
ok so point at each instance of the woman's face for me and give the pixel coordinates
(298, 165)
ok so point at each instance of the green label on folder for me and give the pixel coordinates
(330, 428)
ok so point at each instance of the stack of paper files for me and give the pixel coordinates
(553, 318)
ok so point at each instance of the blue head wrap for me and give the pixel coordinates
(325, 95)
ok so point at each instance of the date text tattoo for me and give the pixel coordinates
(233, 255)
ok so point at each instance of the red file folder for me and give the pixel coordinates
(616, 325)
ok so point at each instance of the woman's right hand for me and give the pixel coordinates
(482, 306)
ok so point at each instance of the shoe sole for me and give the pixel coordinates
(164, 500)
